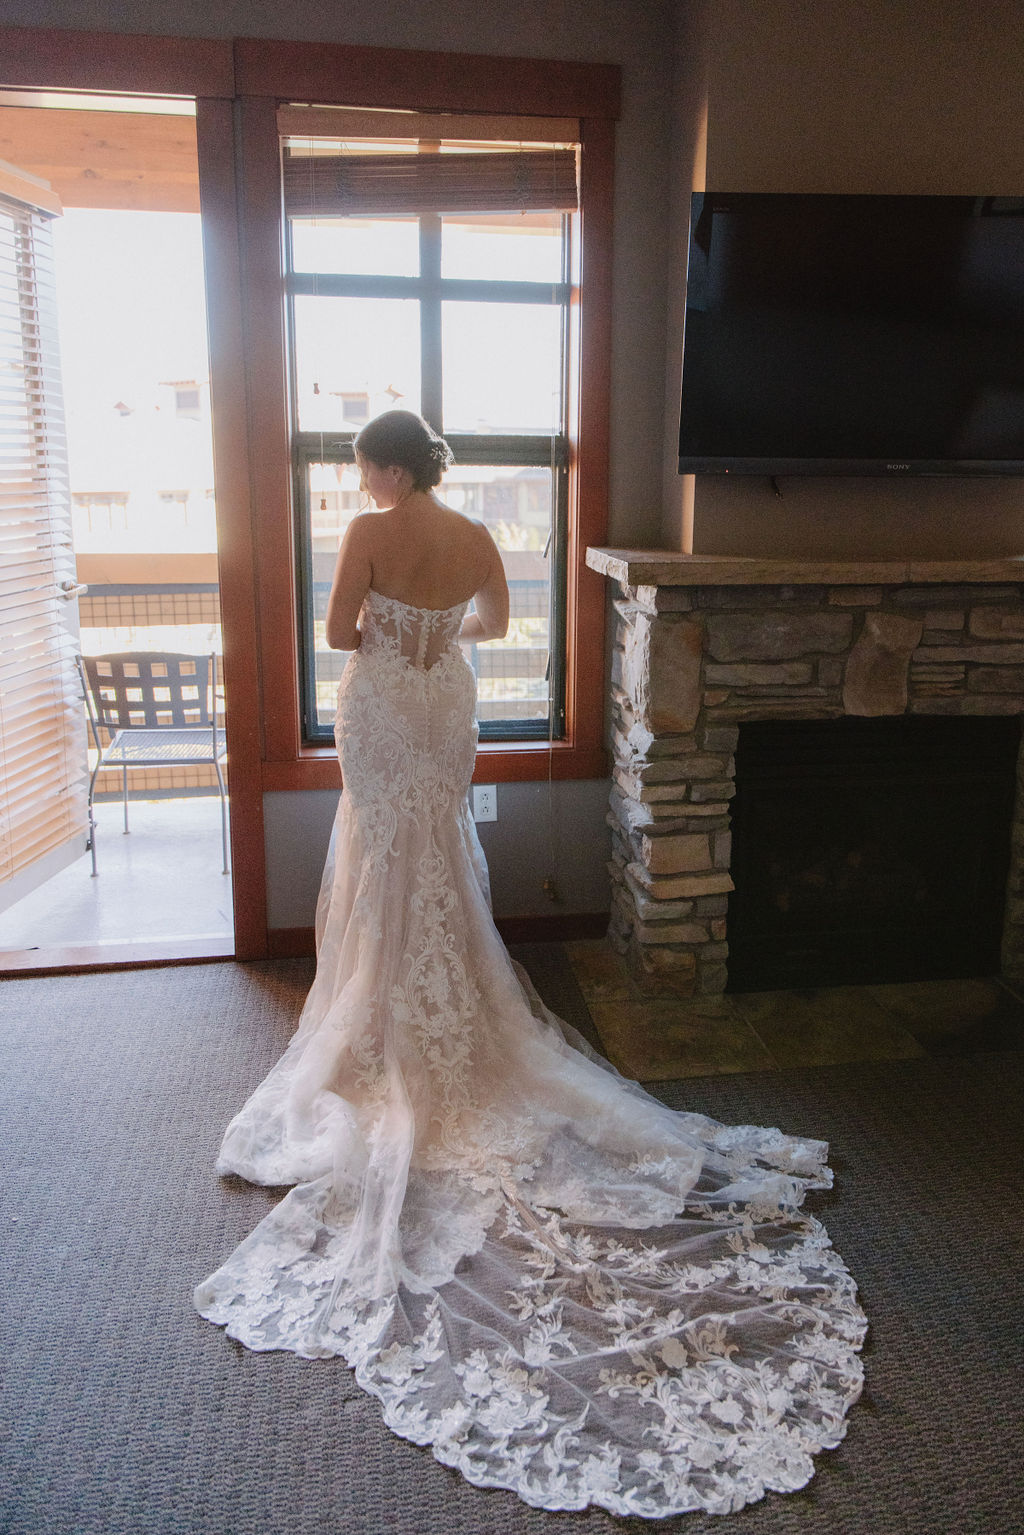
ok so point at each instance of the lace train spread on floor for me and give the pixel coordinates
(560, 1285)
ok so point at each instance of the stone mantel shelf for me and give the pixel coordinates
(667, 567)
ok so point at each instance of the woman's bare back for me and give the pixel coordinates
(427, 556)
(423, 554)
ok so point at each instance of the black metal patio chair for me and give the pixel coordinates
(157, 709)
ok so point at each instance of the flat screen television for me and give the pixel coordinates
(853, 335)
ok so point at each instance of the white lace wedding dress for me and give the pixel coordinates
(560, 1285)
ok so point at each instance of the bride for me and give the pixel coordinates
(560, 1285)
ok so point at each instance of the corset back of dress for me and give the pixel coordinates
(420, 635)
(405, 725)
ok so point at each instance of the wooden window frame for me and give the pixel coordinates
(238, 85)
(118, 63)
(272, 75)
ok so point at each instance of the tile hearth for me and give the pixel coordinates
(657, 1039)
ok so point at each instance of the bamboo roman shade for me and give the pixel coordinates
(332, 186)
(42, 751)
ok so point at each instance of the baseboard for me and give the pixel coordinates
(549, 927)
(553, 927)
(291, 942)
(282, 943)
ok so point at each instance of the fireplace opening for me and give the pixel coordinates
(870, 850)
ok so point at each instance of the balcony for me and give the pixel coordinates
(159, 886)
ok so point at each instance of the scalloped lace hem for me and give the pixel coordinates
(695, 1366)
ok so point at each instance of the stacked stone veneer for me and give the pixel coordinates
(692, 663)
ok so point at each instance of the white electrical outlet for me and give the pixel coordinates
(485, 802)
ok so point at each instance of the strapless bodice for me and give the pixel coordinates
(405, 725)
(421, 635)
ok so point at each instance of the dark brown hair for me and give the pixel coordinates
(401, 438)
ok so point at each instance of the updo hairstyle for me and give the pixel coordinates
(403, 439)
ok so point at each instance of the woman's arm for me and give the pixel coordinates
(353, 575)
(490, 621)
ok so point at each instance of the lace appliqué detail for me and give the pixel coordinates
(685, 1413)
(560, 1285)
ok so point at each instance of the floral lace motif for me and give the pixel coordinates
(703, 1384)
(561, 1286)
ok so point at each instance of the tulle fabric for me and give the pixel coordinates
(560, 1285)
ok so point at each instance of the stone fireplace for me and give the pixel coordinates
(704, 644)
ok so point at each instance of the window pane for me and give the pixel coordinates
(354, 357)
(366, 247)
(334, 499)
(505, 247)
(502, 367)
(516, 504)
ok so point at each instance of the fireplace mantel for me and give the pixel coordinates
(705, 643)
(666, 567)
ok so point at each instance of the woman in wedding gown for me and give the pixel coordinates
(560, 1285)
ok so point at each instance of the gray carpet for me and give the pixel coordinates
(123, 1412)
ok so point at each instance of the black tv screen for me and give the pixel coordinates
(853, 335)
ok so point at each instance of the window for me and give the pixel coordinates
(435, 274)
(187, 398)
(99, 511)
(186, 402)
(355, 406)
(555, 102)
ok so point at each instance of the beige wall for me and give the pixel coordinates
(904, 96)
(874, 96)
(687, 172)
(540, 830)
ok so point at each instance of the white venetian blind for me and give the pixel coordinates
(331, 186)
(42, 751)
(392, 163)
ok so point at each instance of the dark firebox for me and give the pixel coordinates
(870, 850)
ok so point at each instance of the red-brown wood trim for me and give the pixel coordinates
(435, 82)
(314, 769)
(263, 286)
(143, 954)
(286, 764)
(510, 762)
(553, 927)
(588, 502)
(215, 137)
(292, 942)
(545, 927)
(527, 762)
(51, 58)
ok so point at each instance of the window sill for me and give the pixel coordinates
(501, 762)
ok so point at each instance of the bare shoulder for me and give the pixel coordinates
(365, 538)
(364, 529)
(482, 534)
(468, 534)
